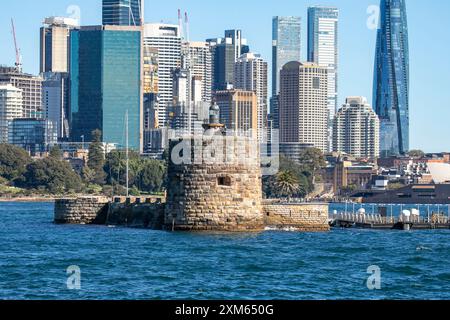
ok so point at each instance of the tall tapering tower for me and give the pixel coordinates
(123, 12)
(391, 78)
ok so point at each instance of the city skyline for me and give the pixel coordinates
(357, 47)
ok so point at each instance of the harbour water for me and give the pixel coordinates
(120, 263)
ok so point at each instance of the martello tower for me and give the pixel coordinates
(214, 181)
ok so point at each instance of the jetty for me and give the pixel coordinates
(407, 220)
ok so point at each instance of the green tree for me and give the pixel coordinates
(88, 175)
(312, 160)
(287, 184)
(416, 154)
(13, 162)
(96, 159)
(302, 176)
(56, 153)
(52, 175)
(152, 176)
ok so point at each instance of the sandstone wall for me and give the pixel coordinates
(301, 217)
(136, 215)
(220, 196)
(83, 210)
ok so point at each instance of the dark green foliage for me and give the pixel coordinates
(96, 160)
(290, 174)
(13, 162)
(52, 175)
(56, 153)
(147, 175)
(416, 154)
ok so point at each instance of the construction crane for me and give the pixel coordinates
(18, 55)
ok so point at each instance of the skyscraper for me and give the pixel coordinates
(323, 50)
(200, 65)
(251, 75)
(166, 39)
(356, 129)
(123, 12)
(286, 46)
(55, 44)
(225, 52)
(56, 100)
(238, 111)
(391, 78)
(30, 85)
(106, 83)
(10, 108)
(303, 108)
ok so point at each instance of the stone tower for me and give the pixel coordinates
(214, 182)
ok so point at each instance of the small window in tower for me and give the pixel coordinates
(316, 83)
(224, 181)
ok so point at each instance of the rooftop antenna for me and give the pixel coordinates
(18, 54)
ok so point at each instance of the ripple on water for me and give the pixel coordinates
(120, 263)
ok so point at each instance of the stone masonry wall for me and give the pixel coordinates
(83, 210)
(218, 196)
(136, 215)
(301, 217)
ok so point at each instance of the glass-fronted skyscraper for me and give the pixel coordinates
(391, 78)
(123, 12)
(105, 82)
(323, 50)
(286, 46)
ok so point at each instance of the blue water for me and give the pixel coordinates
(120, 263)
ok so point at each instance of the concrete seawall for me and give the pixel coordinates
(150, 213)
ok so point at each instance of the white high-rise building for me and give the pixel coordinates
(10, 108)
(166, 38)
(323, 50)
(303, 108)
(251, 75)
(199, 62)
(356, 129)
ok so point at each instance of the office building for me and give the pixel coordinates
(356, 129)
(55, 44)
(199, 62)
(151, 88)
(56, 101)
(391, 78)
(286, 46)
(166, 39)
(323, 50)
(106, 68)
(33, 135)
(303, 108)
(238, 111)
(225, 52)
(10, 108)
(251, 75)
(123, 12)
(31, 87)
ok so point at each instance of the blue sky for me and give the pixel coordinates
(428, 33)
